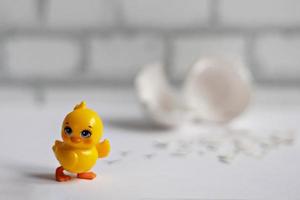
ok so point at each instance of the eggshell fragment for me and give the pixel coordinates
(217, 89)
(157, 96)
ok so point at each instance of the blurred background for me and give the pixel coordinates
(63, 43)
(56, 53)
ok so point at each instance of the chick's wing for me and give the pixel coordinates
(103, 148)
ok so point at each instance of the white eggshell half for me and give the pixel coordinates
(157, 96)
(217, 89)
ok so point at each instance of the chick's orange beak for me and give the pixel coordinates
(75, 139)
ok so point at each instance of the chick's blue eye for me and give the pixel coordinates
(68, 130)
(86, 134)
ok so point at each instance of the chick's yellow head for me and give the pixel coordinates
(82, 128)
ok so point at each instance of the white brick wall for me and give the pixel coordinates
(260, 12)
(109, 40)
(279, 56)
(166, 13)
(81, 13)
(41, 57)
(18, 13)
(188, 50)
(121, 57)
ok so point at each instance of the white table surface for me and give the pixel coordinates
(137, 168)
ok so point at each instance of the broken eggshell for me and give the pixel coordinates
(217, 89)
(157, 96)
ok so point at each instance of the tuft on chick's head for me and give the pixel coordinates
(82, 128)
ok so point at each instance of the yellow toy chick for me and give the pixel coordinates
(81, 132)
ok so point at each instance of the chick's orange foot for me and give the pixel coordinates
(60, 176)
(86, 175)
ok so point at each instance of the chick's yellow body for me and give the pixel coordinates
(75, 160)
